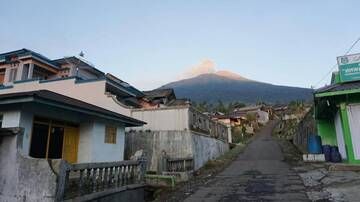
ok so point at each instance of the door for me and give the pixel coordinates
(340, 136)
(71, 142)
(354, 122)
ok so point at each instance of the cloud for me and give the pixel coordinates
(204, 67)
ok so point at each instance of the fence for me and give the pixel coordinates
(202, 123)
(76, 180)
(305, 128)
(180, 164)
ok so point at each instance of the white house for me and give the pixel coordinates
(67, 110)
(67, 107)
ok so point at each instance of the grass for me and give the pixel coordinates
(224, 159)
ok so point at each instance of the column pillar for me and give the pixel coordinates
(31, 69)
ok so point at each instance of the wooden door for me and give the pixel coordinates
(71, 143)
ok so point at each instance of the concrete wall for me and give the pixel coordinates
(206, 149)
(170, 118)
(21, 178)
(25, 179)
(176, 144)
(16, 118)
(91, 92)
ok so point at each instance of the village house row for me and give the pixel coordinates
(63, 119)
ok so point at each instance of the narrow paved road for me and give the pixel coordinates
(258, 174)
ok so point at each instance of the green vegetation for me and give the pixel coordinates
(297, 106)
(223, 161)
(239, 134)
(217, 107)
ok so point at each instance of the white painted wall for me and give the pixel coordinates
(340, 135)
(11, 119)
(163, 118)
(105, 152)
(263, 117)
(92, 146)
(91, 92)
(85, 142)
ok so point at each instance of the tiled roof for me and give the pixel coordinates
(158, 93)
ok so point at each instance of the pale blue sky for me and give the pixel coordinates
(149, 43)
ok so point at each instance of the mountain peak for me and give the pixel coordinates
(231, 75)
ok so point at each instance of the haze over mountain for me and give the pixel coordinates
(227, 86)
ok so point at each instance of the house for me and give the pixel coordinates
(64, 111)
(176, 129)
(337, 109)
(262, 112)
(226, 120)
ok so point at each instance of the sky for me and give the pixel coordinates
(150, 43)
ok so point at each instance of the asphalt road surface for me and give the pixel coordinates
(258, 174)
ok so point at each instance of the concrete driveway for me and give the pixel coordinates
(258, 174)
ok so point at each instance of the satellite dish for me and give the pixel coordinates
(81, 54)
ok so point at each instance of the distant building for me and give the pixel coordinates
(262, 113)
(175, 128)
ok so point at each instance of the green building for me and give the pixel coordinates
(337, 109)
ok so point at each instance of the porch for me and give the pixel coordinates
(60, 127)
(33, 179)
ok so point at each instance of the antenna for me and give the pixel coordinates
(81, 54)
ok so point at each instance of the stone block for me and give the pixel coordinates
(160, 180)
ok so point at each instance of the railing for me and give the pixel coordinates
(202, 123)
(76, 180)
(179, 164)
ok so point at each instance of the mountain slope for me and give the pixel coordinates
(230, 87)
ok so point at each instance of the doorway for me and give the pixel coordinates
(54, 140)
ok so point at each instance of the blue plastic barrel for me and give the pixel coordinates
(327, 152)
(314, 144)
(335, 154)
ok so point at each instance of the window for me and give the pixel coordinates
(47, 141)
(12, 76)
(25, 72)
(2, 75)
(52, 139)
(110, 134)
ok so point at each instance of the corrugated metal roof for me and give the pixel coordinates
(339, 87)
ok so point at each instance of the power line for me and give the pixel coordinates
(335, 65)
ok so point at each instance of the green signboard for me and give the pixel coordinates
(349, 67)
